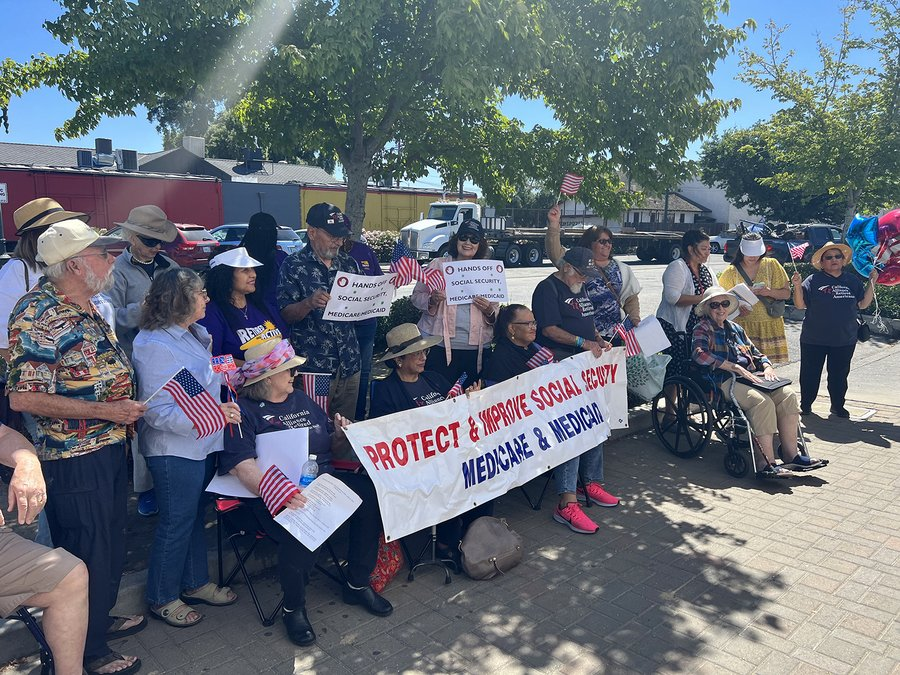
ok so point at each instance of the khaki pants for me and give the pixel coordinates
(762, 408)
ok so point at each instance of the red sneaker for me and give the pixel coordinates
(598, 495)
(574, 517)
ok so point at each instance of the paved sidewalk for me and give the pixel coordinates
(695, 572)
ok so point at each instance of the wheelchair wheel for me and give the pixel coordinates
(737, 463)
(686, 432)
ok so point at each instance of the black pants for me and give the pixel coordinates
(295, 561)
(812, 358)
(462, 361)
(86, 509)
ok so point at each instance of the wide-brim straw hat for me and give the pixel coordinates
(42, 212)
(843, 248)
(710, 294)
(267, 359)
(406, 339)
(150, 221)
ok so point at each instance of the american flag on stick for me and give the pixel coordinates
(541, 357)
(570, 184)
(797, 250)
(632, 347)
(408, 269)
(457, 388)
(316, 386)
(197, 403)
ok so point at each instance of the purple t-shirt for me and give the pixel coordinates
(228, 340)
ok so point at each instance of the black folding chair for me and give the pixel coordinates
(25, 617)
(536, 503)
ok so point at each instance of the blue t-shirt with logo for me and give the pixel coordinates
(832, 305)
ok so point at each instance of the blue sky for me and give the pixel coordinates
(34, 117)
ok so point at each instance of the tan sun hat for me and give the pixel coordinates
(843, 248)
(713, 292)
(150, 221)
(267, 359)
(406, 339)
(67, 239)
(42, 212)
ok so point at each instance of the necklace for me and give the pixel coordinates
(242, 310)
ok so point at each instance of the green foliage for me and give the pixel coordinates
(392, 88)
(741, 161)
(402, 311)
(839, 132)
(382, 242)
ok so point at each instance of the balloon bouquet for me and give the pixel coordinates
(876, 245)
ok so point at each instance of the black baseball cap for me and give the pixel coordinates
(328, 217)
(582, 259)
(471, 226)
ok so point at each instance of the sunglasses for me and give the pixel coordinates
(530, 324)
(150, 242)
(603, 242)
(836, 256)
(472, 237)
(716, 305)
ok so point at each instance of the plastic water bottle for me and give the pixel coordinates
(309, 471)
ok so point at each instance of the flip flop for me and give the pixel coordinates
(176, 614)
(210, 594)
(93, 667)
(117, 629)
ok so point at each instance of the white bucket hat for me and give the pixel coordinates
(67, 239)
(236, 257)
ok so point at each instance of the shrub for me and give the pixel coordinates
(382, 242)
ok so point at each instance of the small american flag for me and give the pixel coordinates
(316, 386)
(457, 388)
(197, 403)
(223, 364)
(797, 250)
(570, 184)
(405, 266)
(632, 348)
(541, 357)
(434, 279)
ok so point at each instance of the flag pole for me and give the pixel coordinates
(163, 385)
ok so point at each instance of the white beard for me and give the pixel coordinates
(95, 283)
(576, 288)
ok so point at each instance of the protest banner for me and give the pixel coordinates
(433, 463)
(355, 297)
(466, 279)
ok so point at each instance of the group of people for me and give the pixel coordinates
(94, 341)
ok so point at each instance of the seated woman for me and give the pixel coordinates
(237, 311)
(269, 403)
(721, 345)
(411, 386)
(180, 462)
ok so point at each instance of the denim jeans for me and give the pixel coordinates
(365, 335)
(178, 559)
(591, 463)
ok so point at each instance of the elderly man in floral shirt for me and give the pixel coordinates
(68, 370)
(306, 277)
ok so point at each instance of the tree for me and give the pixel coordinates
(839, 133)
(368, 82)
(740, 161)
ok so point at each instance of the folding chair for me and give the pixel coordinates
(226, 509)
(25, 617)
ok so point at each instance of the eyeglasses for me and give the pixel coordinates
(716, 305)
(472, 237)
(295, 372)
(105, 255)
(530, 324)
(836, 256)
(603, 242)
(150, 242)
(203, 292)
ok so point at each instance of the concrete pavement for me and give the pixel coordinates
(694, 572)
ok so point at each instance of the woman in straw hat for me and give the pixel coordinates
(722, 346)
(269, 403)
(832, 298)
(410, 386)
(766, 278)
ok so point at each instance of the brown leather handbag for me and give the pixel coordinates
(490, 547)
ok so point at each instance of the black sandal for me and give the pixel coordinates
(116, 631)
(93, 667)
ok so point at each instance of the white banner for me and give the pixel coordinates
(355, 297)
(433, 463)
(470, 278)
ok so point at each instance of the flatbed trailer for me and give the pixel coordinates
(525, 246)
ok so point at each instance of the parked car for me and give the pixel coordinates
(301, 232)
(717, 243)
(230, 235)
(193, 246)
(778, 245)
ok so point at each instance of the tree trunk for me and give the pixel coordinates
(357, 174)
(849, 211)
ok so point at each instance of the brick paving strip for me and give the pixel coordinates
(694, 572)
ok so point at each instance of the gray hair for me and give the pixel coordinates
(129, 235)
(56, 271)
(171, 299)
(258, 391)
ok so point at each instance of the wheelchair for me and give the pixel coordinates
(701, 410)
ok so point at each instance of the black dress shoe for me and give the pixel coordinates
(840, 412)
(368, 598)
(299, 629)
